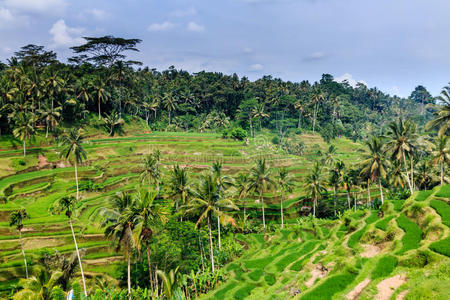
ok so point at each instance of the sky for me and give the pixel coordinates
(394, 45)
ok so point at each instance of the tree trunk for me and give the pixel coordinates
(23, 254)
(314, 205)
(76, 178)
(99, 113)
(314, 118)
(24, 148)
(46, 130)
(368, 191)
(442, 173)
(348, 200)
(335, 195)
(261, 198)
(407, 173)
(282, 218)
(129, 275)
(299, 120)
(211, 252)
(412, 174)
(381, 190)
(218, 231)
(150, 269)
(78, 255)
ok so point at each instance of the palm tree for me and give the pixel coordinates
(396, 176)
(300, 106)
(51, 117)
(317, 97)
(16, 218)
(241, 183)
(67, 204)
(207, 200)
(442, 120)
(150, 169)
(40, 286)
(169, 103)
(102, 95)
(347, 180)
(441, 155)
(147, 214)
(402, 139)
(259, 113)
(179, 185)
(335, 180)
(24, 129)
(119, 223)
(112, 120)
(72, 144)
(315, 185)
(329, 155)
(374, 165)
(285, 184)
(170, 281)
(259, 181)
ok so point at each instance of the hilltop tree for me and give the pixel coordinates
(72, 144)
(16, 218)
(68, 206)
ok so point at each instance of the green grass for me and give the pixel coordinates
(443, 209)
(442, 247)
(398, 204)
(444, 191)
(220, 294)
(382, 224)
(423, 195)
(384, 267)
(256, 274)
(413, 234)
(329, 287)
(270, 279)
(244, 291)
(355, 237)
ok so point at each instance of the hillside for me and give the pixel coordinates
(402, 253)
(113, 164)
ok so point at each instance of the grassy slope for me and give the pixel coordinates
(25, 185)
(413, 241)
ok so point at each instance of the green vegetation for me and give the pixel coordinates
(412, 236)
(384, 267)
(330, 286)
(442, 246)
(443, 209)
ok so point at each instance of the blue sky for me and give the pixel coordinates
(394, 45)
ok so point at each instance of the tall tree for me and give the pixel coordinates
(285, 184)
(179, 184)
(68, 206)
(24, 129)
(16, 218)
(335, 180)
(442, 119)
(151, 169)
(72, 145)
(315, 185)
(441, 155)
(259, 181)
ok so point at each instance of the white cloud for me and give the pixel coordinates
(349, 78)
(64, 36)
(183, 13)
(161, 26)
(194, 27)
(318, 55)
(36, 6)
(256, 67)
(248, 50)
(98, 14)
(6, 17)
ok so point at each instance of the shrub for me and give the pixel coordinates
(276, 140)
(416, 209)
(238, 133)
(412, 236)
(419, 259)
(384, 267)
(442, 247)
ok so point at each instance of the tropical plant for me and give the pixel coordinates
(24, 129)
(72, 144)
(68, 206)
(150, 169)
(259, 181)
(112, 121)
(441, 155)
(171, 281)
(315, 185)
(16, 218)
(179, 184)
(285, 184)
(442, 120)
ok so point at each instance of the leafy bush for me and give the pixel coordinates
(276, 140)
(238, 133)
(384, 267)
(418, 259)
(412, 236)
(443, 209)
(442, 247)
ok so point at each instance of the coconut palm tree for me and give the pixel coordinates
(241, 183)
(179, 183)
(100, 92)
(112, 121)
(68, 206)
(285, 184)
(259, 113)
(169, 102)
(16, 218)
(24, 129)
(402, 142)
(347, 181)
(119, 223)
(441, 155)
(317, 96)
(171, 282)
(396, 177)
(150, 169)
(442, 120)
(207, 199)
(329, 155)
(259, 181)
(72, 144)
(335, 180)
(51, 117)
(147, 215)
(40, 286)
(315, 185)
(374, 165)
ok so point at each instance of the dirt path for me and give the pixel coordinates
(402, 295)
(42, 161)
(103, 261)
(317, 272)
(370, 251)
(354, 294)
(387, 287)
